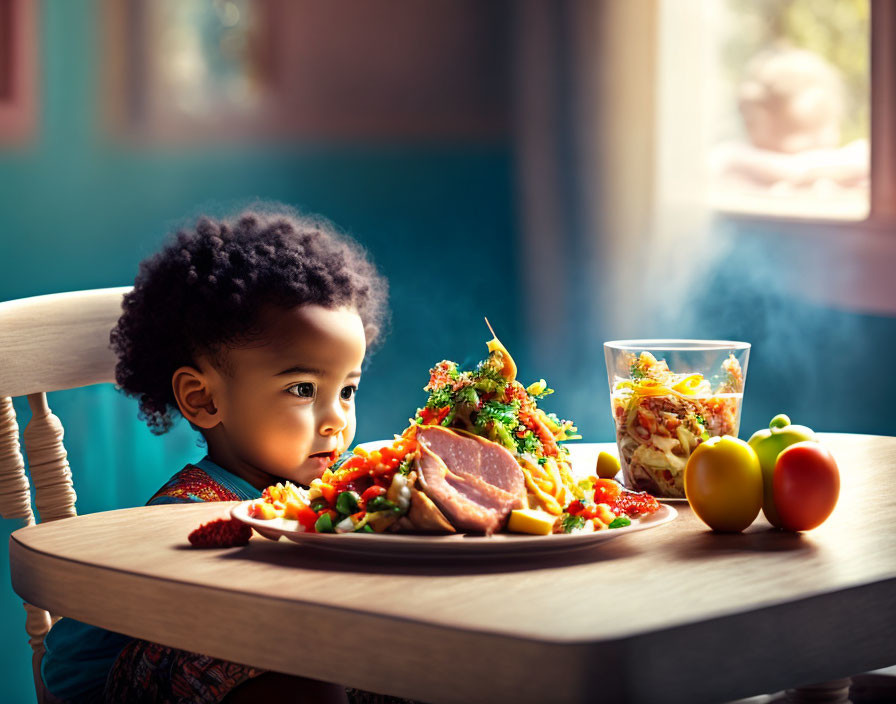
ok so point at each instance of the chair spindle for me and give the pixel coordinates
(54, 495)
(15, 502)
(15, 494)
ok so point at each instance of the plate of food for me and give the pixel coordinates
(481, 470)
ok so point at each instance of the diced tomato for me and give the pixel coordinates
(434, 417)
(353, 473)
(590, 512)
(575, 508)
(371, 492)
(427, 415)
(353, 462)
(606, 491)
(303, 514)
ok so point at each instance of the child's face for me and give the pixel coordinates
(287, 402)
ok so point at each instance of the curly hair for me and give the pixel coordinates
(203, 291)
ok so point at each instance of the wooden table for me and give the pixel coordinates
(674, 614)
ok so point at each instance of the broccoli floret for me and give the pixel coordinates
(505, 413)
(467, 396)
(439, 398)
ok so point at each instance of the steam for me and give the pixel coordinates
(746, 284)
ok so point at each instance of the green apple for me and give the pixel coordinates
(768, 444)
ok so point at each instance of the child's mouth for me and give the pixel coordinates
(328, 457)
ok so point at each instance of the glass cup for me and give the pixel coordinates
(668, 396)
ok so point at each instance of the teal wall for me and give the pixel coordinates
(78, 210)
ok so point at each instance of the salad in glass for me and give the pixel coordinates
(661, 414)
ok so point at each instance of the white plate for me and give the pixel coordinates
(409, 544)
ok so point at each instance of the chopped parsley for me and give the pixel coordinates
(572, 523)
(527, 443)
(504, 413)
(620, 522)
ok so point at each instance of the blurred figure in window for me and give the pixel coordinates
(791, 102)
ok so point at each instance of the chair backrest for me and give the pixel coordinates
(47, 343)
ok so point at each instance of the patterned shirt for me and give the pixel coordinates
(79, 657)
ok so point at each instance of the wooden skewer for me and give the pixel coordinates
(490, 328)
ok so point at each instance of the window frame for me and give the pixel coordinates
(18, 104)
(848, 260)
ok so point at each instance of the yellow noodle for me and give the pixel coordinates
(548, 502)
(689, 385)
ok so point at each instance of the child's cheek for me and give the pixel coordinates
(348, 434)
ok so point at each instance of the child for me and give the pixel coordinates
(254, 330)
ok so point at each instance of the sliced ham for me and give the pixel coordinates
(474, 483)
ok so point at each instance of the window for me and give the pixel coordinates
(190, 70)
(851, 241)
(773, 98)
(790, 107)
(183, 68)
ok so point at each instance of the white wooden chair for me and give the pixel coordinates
(47, 343)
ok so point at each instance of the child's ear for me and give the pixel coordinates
(192, 391)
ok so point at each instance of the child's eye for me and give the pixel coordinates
(348, 392)
(303, 390)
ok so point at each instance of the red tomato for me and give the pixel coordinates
(806, 485)
(372, 491)
(575, 508)
(606, 491)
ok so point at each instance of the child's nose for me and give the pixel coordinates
(333, 419)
